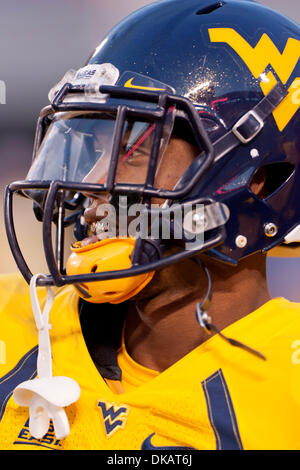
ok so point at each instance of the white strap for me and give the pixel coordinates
(46, 396)
(44, 362)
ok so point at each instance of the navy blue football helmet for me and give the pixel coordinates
(225, 76)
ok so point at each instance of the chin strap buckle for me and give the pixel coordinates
(46, 396)
(205, 320)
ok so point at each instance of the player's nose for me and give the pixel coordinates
(92, 213)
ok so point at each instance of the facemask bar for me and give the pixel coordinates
(61, 223)
(163, 104)
(232, 139)
(59, 279)
(215, 239)
(163, 101)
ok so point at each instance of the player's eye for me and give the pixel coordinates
(135, 156)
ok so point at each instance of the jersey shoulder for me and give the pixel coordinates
(284, 314)
(12, 285)
(15, 295)
(19, 333)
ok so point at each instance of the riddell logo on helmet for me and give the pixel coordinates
(259, 58)
(2, 92)
(84, 74)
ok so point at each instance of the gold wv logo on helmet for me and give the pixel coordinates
(257, 60)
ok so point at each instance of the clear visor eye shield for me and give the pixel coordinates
(104, 138)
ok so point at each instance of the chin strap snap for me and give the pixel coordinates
(46, 396)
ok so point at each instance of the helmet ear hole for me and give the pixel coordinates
(269, 178)
(258, 182)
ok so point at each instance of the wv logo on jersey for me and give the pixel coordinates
(259, 58)
(114, 416)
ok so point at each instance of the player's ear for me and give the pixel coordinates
(268, 178)
(258, 182)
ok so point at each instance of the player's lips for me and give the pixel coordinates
(99, 231)
(104, 226)
(96, 238)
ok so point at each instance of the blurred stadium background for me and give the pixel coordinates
(39, 41)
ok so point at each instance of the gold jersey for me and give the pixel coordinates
(216, 397)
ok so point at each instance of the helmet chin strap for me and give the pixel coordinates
(46, 396)
(205, 320)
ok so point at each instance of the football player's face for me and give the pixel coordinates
(132, 168)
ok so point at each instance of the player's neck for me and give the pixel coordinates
(162, 329)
